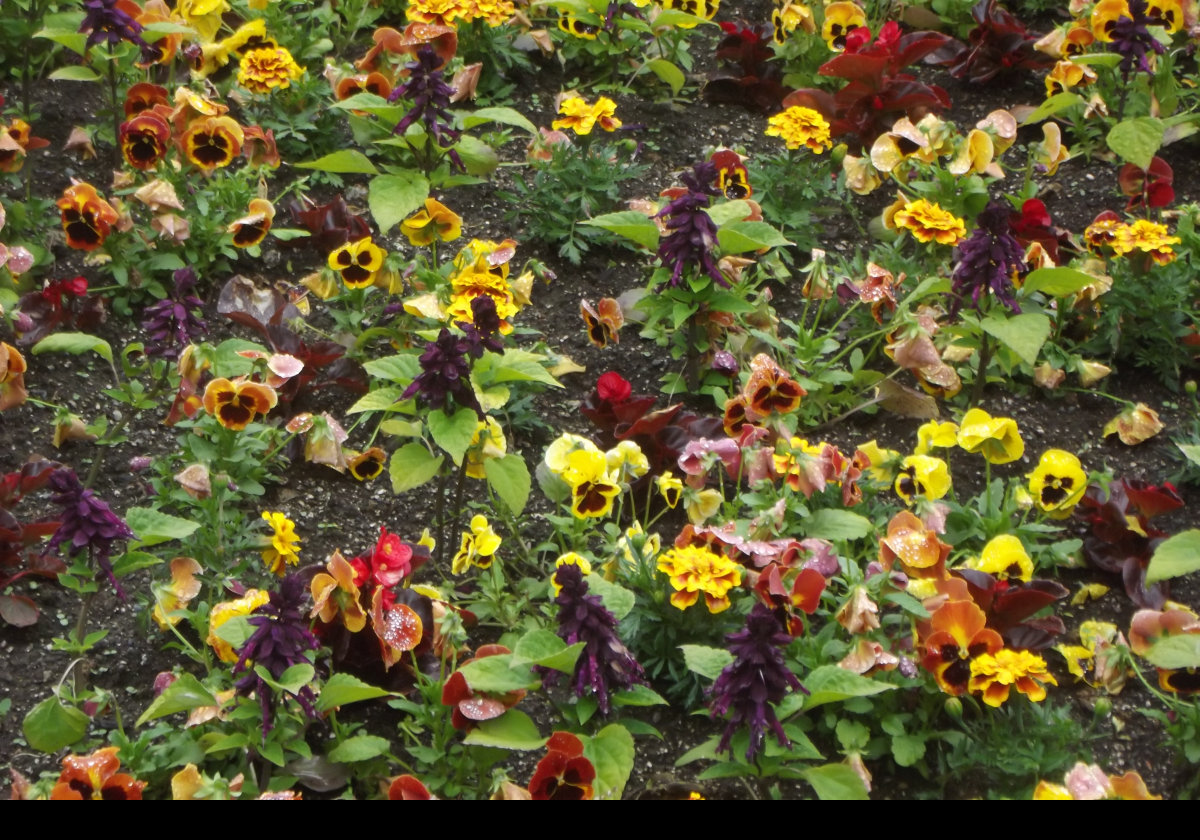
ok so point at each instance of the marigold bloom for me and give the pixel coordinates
(1145, 236)
(994, 674)
(87, 219)
(235, 403)
(997, 439)
(222, 612)
(479, 546)
(799, 126)
(581, 117)
(212, 142)
(694, 570)
(840, 19)
(435, 221)
(95, 777)
(928, 222)
(285, 545)
(437, 12)
(1058, 482)
(923, 476)
(264, 69)
(252, 228)
(357, 262)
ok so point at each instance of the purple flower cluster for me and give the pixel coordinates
(426, 87)
(606, 664)
(281, 639)
(484, 332)
(692, 234)
(173, 323)
(105, 22)
(987, 260)
(1133, 41)
(87, 522)
(445, 373)
(757, 678)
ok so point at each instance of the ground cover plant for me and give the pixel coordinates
(576, 399)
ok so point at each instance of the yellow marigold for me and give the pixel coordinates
(995, 674)
(694, 570)
(928, 222)
(1149, 238)
(439, 12)
(264, 69)
(798, 126)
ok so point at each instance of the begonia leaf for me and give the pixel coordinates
(513, 730)
(153, 526)
(1057, 281)
(359, 748)
(668, 73)
(184, 694)
(74, 73)
(739, 237)
(381, 399)
(393, 198)
(611, 752)
(706, 661)
(412, 465)
(1175, 556)
(509, 477)
(497, 673)
(342, 162)
(638, 695)
(831, 524)
(74, 343)
(1136, 139)
(616, 598)
(503, 116)
(50, 725)
(341, 689)
(1053, 105)
(1024, 334)
(831, 684)
(630, 224)
(1181, 651)
(478, 157)
(399, 369)
(836, 781)
(453, 432)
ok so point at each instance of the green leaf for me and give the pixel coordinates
(706, 661)
(341, 689)
(228, 360)
(1191, 451)
(399, 369)
(50, 725)
(343, 162)
(611, 752)
(1175, 556)
(412, 465)
(1056, 282)
(513, 730)
(739, 237)
(478, 157)
(833, 524)
(393, 198)
(401, 428)
(836, 781)
(638, 695)
(74, 343)
(516, 365)
(616, 598)
(1182, 651)
(153, 526)
(1137, 139)
(183, 695)
(669, 73)
(453, 432)
(1024, 334)
(509, 477)
(235, 631)
(729, 212)
(497, 673)
(542, 647)
(1053, 105)
(359, 748)
(504, 116)
(1108, 60)
(132, 561)
(908, 749)
(293, 680)
(831, 684)
(74, 73)
(630, 224)
(381, 399)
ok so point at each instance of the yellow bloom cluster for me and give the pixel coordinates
(995, 674)
(928, 222)
(694, 570)
(284, 549)
(1147, 237)
(798, 126)
(264, 69)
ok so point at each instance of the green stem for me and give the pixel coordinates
(985, 357)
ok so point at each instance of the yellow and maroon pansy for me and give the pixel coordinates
(258, 147)
(156, 11)
(252, 228)
(95, 777)
(770, 389)
(1105, 15)
(1066, 75)
(357, 262)
(434, 221)
(1166, 13)
(1058, 482)
(840, 18)
(917, 549)
(922, 476)
(213, 142)
(367, 465)
(12, 377)
(732, 179)
(145, 140)
(86, 217)
(956, 634)
(145, 96)
(15, 141)
(335, 593)
(236, 403)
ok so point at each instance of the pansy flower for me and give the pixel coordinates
(367, 465)
(252, 228)
(12, 377)
(733, 180)
(145, 96)
(375, 83)
(788, 17)
(487, 443)
(799, 126)
(955, 635)
(580, 117)
(1058, 482)
(917, 549)
(335, 592)
(670, 487)
(995, 674)
(1066, 75)
(95, 777)
(1005, 557)
(592, 488)
(840, 19)
(997, 439)
(770, 389)
(479, 545)
(603, 321)
(922, 476)
(16, 139)
(357, 262)
(1105, 15)
(434, 221)
(145, 140)
(236, 403)
(86, 217)
(170, 600)
(212, 142)
(564, 773)
(222, 612)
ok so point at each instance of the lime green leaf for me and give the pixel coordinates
(381, 399)
(411, 466)
(630, 224)
(836, 781)
(504, 116)
(1175, 556)
(729, 212)
(235, 631)
(1053, 105)
(831, 684)
(453, 432)
(706, 661)
(497, 673)
(668, 73)
(833, 524)
(402, 428)
(638, 695)
(74, 343)
(542, 647)
(359, 748)
(1137, 139)
(908, 749)
(50, 725)
(343, 162)
(616, 598)
(1024, 334)
(513, 730)
(183, 695)
(153, 527)
(74, 73)
(739, 237)
(1056, 282)
(509, 477)
(611, 752)
(393, 198)
(478, 157)
(1182, 651)
(341, 689)
(516, 365)
(399, 369)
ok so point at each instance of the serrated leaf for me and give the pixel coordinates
(630, 224)
(478, 157)
(1182, 651)
(359, 748)
(411, 466)
(498, 674)
(739, 237)
(50, 725)
(639, 695)
(706, 661)
(668, 73)
(1024, 334)
(153, 526)
(74, 343)
(341, 689)
(1137, 139)
(831, 684)
(453, 432)
(908, 749)
(616, 598)
(509, 478)
(503, 116)
(342, 162)
(183, 695)
(1176, 555)
(1056, 282)
(513, 730)
(833, 524)
(381, 399)
(612, 752)
(393, 198)
(836, 782)
(401, 369)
